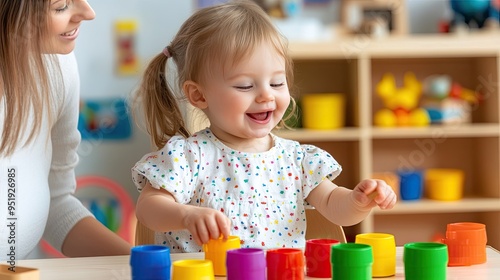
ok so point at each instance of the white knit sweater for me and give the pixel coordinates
(42, 177)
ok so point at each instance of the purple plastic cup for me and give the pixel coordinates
(246, 264)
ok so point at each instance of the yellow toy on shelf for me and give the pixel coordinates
(401, 103)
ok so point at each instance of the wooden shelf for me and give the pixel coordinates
(454, 130)
(435, 206)
(353, 66)
(303, 135)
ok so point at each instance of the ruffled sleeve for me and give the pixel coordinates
(317, 165)
(174, 168)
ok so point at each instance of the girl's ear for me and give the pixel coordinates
(194, 94)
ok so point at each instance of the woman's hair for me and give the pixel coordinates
(206, 42)
(24, 78)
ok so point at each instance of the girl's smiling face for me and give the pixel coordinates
(249, 98)
(64, 22)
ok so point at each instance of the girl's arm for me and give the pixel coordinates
(158, 210)
(347, 207)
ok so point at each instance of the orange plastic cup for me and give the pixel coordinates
(466, 243)
(216, 251)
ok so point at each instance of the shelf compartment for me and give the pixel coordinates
(472, 72)
(329, 76)
(477, 157)
(347, 155)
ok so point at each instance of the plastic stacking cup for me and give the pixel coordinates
(466, 243)
(285, 264)
(444, 184)
(323, 110)
(384, 252)
(246, 264)
(215, 250)
(317, 255)
(410, 184)
(425, 260)
(150, 262)
(193, 270)
(352, 261)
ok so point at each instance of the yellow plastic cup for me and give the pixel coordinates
(444, 184)
(323, 110)
(192, 270)
(216, 249)
(384, 252)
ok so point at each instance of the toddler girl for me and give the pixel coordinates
(235, 177)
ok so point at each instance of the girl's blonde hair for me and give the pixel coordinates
(208, 40)
(24, 74)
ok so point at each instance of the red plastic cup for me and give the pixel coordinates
(466, 243)
(317, 255)
(285, 264)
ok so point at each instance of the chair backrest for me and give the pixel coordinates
(320, 227)
(143, 235)
(317, 227)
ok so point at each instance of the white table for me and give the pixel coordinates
(117, 267)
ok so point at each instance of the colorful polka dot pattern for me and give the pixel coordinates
(263, 194)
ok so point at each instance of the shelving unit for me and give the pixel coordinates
(353, 66)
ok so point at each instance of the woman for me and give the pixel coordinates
(39, 99)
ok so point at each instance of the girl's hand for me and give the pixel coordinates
(205, 224)
(373, 192)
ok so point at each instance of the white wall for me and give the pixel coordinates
(158, 21)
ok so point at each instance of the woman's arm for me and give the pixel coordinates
(70, 226)
(158, 210)
(91, 238)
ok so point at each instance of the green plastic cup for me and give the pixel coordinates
(425, 260)
(352, 261)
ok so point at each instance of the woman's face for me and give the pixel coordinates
(64, 22)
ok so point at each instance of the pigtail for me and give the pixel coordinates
(161, 110)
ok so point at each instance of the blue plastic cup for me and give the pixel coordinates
(150, 262)
(411, 184)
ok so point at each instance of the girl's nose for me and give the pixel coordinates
(264, 95)
(83, 11)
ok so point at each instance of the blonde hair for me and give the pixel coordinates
(210, 38)
(24, 77)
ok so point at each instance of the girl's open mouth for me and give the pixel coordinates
(260, 117)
